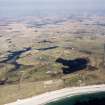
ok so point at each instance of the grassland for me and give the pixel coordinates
(38, 71)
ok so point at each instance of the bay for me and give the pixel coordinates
(86, 99)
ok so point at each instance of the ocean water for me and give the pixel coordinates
(89, 99)
(22, 8)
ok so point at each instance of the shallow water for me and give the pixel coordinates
(89, 99)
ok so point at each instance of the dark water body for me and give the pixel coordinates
(47, 48)
(13, 56)
(89, 99)
(21, 8)
(73, 65)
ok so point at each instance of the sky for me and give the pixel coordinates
(29, 7)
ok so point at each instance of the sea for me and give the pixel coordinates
(86, 99)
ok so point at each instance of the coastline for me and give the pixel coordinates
(59, 94)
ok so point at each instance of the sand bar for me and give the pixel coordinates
(55, 95)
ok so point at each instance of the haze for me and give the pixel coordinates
(46, 7)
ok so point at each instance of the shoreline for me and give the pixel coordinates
(59, 94)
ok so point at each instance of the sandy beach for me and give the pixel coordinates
(58, 94)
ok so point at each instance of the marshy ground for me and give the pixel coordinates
(34, 59)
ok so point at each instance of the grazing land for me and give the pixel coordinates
(36, 58)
